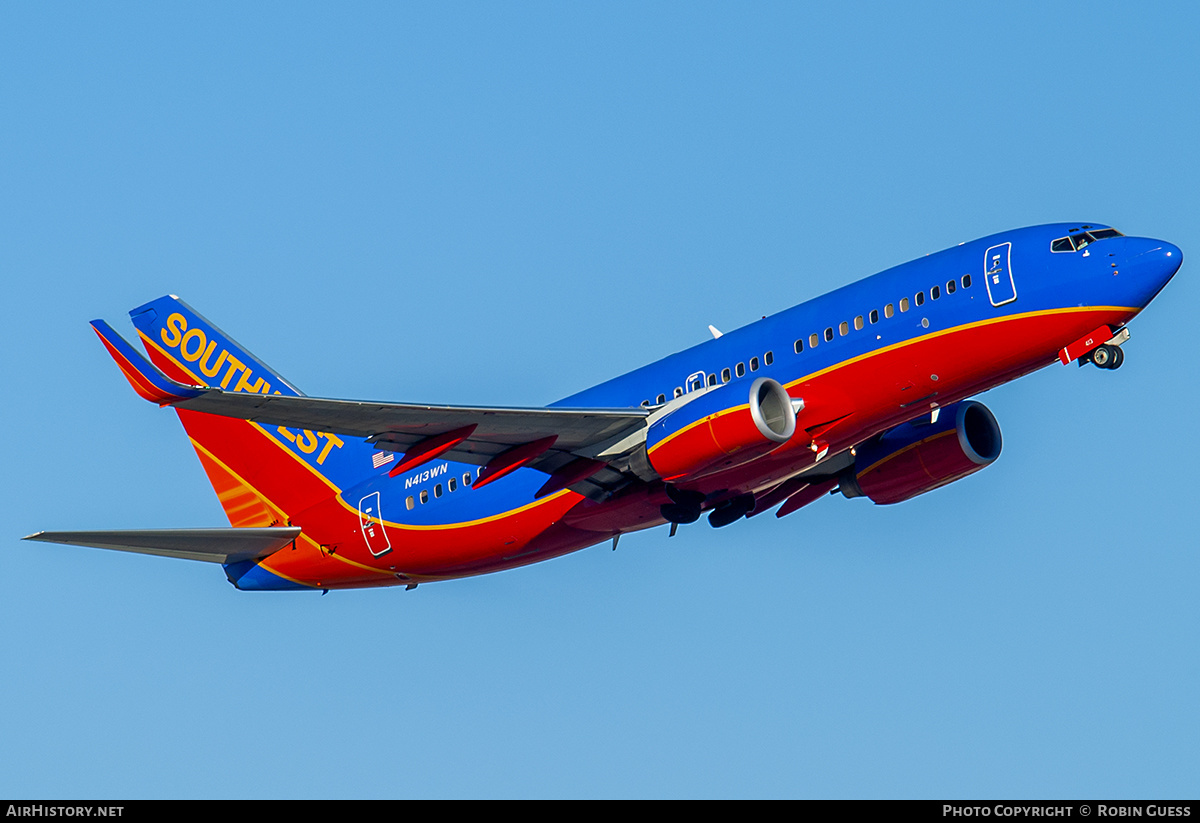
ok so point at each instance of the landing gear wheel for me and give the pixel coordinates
(1119, 359)
(680, 513)
(1104, 356)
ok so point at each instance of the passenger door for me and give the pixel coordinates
(997, 273)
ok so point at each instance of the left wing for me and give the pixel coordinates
(592, 451)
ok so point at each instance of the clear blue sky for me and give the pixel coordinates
(505, 203)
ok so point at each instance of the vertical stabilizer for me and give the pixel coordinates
(262, 474)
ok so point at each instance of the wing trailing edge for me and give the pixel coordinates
(469, 434)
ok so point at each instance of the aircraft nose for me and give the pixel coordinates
(1153, 260)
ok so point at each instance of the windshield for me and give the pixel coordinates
(1075, 242)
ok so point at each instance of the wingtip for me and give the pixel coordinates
(146, 380)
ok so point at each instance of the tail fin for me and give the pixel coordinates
(190, 349)
(263, 475)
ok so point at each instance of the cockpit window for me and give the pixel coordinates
(1077, 241)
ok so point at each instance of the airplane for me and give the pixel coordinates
(863, 391)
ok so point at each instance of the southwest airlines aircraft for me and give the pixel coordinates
(862, 391)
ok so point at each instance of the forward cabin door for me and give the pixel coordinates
(997, 273)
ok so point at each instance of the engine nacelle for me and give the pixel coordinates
(725, 426)
(920, 456)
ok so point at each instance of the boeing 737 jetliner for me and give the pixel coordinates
(864, 391)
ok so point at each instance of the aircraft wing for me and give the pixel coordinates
(211, 545)
(588, 450)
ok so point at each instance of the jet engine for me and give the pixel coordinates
(920, 456)
(724, 426)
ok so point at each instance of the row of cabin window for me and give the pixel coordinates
(739, 369)
(451, 484)
(888, 311)
(814, 339)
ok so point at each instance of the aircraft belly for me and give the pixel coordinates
(965, 361)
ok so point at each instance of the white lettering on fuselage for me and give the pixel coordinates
(428, 474)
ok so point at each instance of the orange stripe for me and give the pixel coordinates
(894, 347)
(466, 523)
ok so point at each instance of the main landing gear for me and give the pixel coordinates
(1107, 357)
(685, 507)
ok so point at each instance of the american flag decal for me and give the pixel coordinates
(382, 459)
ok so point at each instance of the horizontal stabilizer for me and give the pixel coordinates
(211, 545)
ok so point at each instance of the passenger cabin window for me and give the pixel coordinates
(949, 287)
(829, 335)
(858, 323)
(769, 358)
(724, 375)
(410, 503)
(889, 310)
(920, 298)
(874, 316)
(843, 328)
(453, 484)
(753, 364)
(424, 497)
(799, 347)
(712, 380)
(678, 391)
(662, 398)
(935, 293)
(740, 369)
(903, 304)
(966, 281)
(813, 340)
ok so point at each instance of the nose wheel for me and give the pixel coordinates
(1107, 357)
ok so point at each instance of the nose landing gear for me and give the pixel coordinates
(1107, 357)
